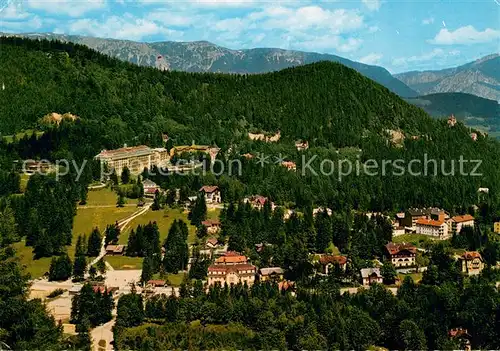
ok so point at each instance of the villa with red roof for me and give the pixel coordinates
(258, 201)
(438, 229)
(327, 262)
(471, 262)
(401, 254)
(232, 268)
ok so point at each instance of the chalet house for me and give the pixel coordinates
(232, 268)
(212, 225)
(371, 276)
(302, 145)
(212, 243)
(258, 201)
(115, 250)
(396, 231)
(452, 121)
(104, 289)
(209, 150)
(248, 156)
(496, 227)
(462, 335)
(472, 262)
(401, 254)
(473, 136)
(433, 228)
(259, 247)
(456, 223)
(272, 273)
(328, 262)
(290, 165)
(150, 188)
(211, 193)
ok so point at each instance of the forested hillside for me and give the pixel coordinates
(325, 101)
(327, 104)
(203, 56)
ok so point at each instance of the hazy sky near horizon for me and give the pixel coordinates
(399, 35)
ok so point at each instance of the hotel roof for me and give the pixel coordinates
(125, 152)
(430, 222)
(464, 218)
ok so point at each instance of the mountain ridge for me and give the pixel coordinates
(204, 56)
(480, 77)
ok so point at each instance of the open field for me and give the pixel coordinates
(10, 138)
(164, 219)
(415, 239)
(85, 220)
(417, 277)
(124, 262)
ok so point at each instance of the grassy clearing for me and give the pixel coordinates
(416, 239)
(124, 262)
(85, 220)
(164, 219)
(417, 277)
(20, 135)
(105, 197)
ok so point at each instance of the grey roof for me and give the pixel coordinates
(366, 272)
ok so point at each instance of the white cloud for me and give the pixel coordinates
(329, 42)
(372, 5)
(434, 54)
(427, 21)
(307, 18)
(373, 29)
(123, 27)
(465, 35)
(371, 59)
(14, 12)
(31, 25)
(73, 8)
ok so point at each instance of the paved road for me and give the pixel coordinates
(102, 336)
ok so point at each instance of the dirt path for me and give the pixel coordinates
(122, 224)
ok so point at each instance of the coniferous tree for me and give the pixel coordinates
(94, 243)
(125, 176)
(60, 268)
(79, 267)
(112, 233)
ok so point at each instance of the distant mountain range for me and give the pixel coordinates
(480, 78)
(202, 56)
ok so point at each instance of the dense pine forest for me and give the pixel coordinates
(343, 116)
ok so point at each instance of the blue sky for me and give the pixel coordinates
(399, 35)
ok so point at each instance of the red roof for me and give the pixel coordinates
(395, 248)
(157, 282)
(326, 259)
(212, 241)
(470, 255)
(209, 188)
(231, 257)
(464, 218)
(124, 150)
(211, 222)
(234, 268)
(430, 222)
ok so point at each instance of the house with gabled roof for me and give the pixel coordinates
(401, 254)
(211, 193)
(471, 262)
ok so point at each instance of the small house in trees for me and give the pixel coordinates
(211, 193)
(212, 225)
(471, 263)
(328, 262)
(322, 210)
(258, 201)
(301, 145)
(371, 276)
(115, 250)
(496, 227)
(274, 274)
(212, 243)
(401, 254)
(452, 121)
(150, 188)
(290, 165)
(463, 336)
